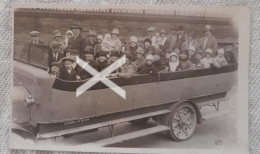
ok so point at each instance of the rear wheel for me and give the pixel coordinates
(182, 121)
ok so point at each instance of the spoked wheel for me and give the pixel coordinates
(182, 122)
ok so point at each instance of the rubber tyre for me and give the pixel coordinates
(167, 120)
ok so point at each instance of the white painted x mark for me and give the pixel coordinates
(101, 76)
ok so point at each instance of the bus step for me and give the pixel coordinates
(215, 115)
(125, 137)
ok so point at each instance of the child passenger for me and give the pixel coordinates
(102, 61)
(55, 68)
(107, 44)
(67, 73)
(220, 59)
(158, 64)
(208, 61)
(185, 63)
(174, 62)
(148, 67)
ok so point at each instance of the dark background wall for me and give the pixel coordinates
(47, 22)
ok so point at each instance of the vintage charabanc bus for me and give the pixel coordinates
(47, 107)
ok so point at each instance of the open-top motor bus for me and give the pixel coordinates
(47, 107)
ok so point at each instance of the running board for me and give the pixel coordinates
(102, 124)
(125, 137)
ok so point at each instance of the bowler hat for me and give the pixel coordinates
(33, 33)
(76, 25)
(67, 59)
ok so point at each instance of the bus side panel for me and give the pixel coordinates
(111, 102)
(64, 105)
(211, 84)
(147, 95)
(88, 102)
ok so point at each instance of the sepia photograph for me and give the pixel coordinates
(130, 78)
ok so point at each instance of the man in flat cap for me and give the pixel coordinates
(77, 42)
(92, 36)
(35, 37)
(56, 55)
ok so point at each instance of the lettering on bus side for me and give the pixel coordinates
(75, 121)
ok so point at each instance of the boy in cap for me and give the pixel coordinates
(56, 55)
(148, 67)
(88, 58)
(35, 37)
(67, 73)
(77, 42)
(140, 60)
(114, 55)
(192, 54)
(150, 50)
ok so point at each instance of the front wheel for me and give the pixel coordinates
(182, 121)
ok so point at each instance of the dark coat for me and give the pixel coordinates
(179, 41)
(65, 75)
(89, 43)
(79, 44)
(148, 69)
(77, 69)
(53, 59)
(159, 65)
(84, 74)
(103, 65)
